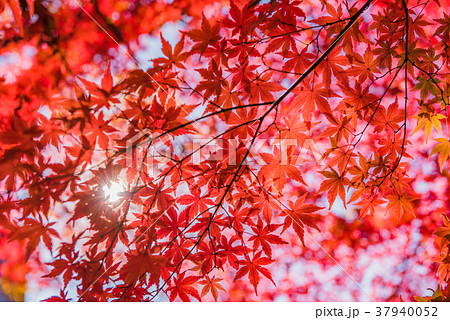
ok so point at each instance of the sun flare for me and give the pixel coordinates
(113, 191)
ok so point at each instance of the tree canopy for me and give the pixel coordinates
(219, 150)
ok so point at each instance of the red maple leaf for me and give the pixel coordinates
(183, 287)
(310, 96)
(300, 215)
(254, 267)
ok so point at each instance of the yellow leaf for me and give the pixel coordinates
(443, 148)
(429, 122)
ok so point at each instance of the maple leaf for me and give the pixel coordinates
(172, 223)
(335, 15)
(219, 52)
(444, 231)
(394, 146)
(104, 95)
(427, 85)
(385, 119)
(309, 97)
(368, 205)
(297, 62)
(33, 231)
(183, 287)
(384, 54)
(253, 267)
(264, 237)
(175, 57)
(343, 157)
(281, 38)
(229, 97)
(213, 81)
(178, 250)
(211, 285)
(137, 265)
(417, 27)
(241, 21)
(356, 98)
(197, 202)
(107, 80)
(365, 66)
(98, 132)
(206, 257)
(443, 148)
(428, 121)
(244, 75)
(430, 61)
(401, 204)
(240, 117)
(338, 127)
(227, 250)
(205, 223)
(278, 168)
(360, 173)
(444, 28)
(332, 65)
(205, 36)
(162, 198)
(288, 12)
(267, 205)
(4, 220)
(262, 88)
(415, 55)
(335, 185)
(300, 215)
(61, 267)
(295, 129)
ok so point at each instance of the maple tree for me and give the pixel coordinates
(273, 150)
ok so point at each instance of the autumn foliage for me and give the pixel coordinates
(225, 150)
